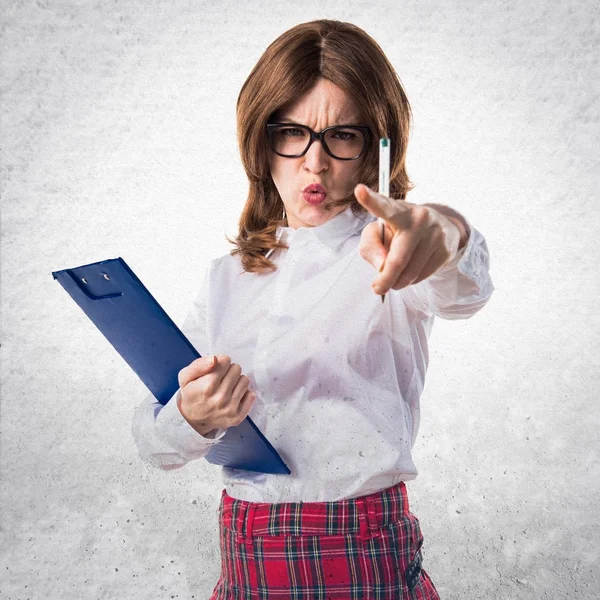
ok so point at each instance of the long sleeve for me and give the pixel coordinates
(162, 435)
(459, 289)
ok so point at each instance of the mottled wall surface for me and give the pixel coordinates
(118, 139)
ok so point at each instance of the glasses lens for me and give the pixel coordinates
(289, 140)
(342, 142)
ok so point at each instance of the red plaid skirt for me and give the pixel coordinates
(360, 548)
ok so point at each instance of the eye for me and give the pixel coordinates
(345, 136)
(292, 132)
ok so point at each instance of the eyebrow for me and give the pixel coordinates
(350, 121)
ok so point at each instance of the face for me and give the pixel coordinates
(322, 106)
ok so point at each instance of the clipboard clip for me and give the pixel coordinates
(84, 285)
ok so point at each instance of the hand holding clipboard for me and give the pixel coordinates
(213, 392)
(127, 314)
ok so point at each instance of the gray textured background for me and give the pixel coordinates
(118, 139)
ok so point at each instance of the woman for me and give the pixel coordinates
(300, 342)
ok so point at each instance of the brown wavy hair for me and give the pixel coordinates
(352, 60)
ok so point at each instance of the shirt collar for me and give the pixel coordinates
(334, 231)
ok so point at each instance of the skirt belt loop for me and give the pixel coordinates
(365, 529)
(238, 521)
(372, 514)
(249, 524)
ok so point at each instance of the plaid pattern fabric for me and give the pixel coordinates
(366, 548)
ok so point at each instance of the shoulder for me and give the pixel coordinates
(225, 266)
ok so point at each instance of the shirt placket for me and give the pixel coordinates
(280, 300)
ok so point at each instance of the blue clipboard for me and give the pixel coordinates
(129, 317)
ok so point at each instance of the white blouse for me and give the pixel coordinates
(337, 374)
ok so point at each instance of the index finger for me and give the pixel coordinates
(378, 204)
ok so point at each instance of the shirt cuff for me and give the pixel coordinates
(179, 432)
(460, 288)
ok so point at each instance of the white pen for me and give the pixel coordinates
(384, 182)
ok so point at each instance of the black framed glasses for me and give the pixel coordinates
(342, 142)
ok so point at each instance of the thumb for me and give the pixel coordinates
(197, 368)
(371, 248)
(210, 360)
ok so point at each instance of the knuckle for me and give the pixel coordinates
(208, 387)
(235, 367)
(427, 212)
(422, 212)
(218, 397)
(233, 416)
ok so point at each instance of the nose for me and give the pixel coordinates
(316, 159)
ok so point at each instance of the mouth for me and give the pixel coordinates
(314, 194)
(314, 188)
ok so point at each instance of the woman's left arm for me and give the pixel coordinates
(432, 251)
